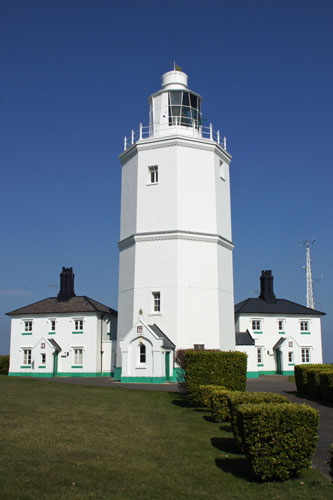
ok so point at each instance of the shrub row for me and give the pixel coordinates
(278, 439)
(4, 365)
(326, 386)
(301, 376)
(236, 399)
(222, 368)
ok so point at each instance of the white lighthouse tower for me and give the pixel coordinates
(175, 270)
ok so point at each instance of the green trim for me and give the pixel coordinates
(26, 333)
(77, 366)
(25, 366)
(288, 372)
(77, 333)
(80, 374)
(22, 374)
(252, 375)
(260, 364)
(274, 372)
(255, 332)
(41, 366)
(282, 333)
(51, 333)
(117, 373)
(291, 364)
(305, 333)
(144, 380)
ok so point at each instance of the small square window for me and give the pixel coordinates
(42, 345)
(153, 174)
(156, 302)
(199, 347)
(256, 324)
(291, 344)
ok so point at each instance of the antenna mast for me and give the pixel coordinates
(309, 283)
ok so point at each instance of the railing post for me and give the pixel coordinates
(211, 131)
(224, 143)
(132, 137)
(218, 137)
(140, 131)
(125, 143)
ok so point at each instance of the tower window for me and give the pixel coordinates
(222, 170)
(156, 301)
(153, 174)
(142, 353)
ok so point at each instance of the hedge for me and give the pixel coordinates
(235, 399)
(219, 404)
(326, 385)
(4, 365)
(301, 375)
(206, 392)
(278, 439)
(226, 369)
(313, 376)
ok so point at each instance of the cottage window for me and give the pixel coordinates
(53, 325)
(78, 356)
(259, 355)
(304, 326)
(43, 358)
(256, 324)
(28, 326)
(281, 325)
(78, 325)
(290, 357)
(305, 355)
(27, 356)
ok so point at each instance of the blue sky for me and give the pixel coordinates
(75, 78)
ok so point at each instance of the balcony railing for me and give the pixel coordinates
(187, 130)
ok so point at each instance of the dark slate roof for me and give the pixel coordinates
(279, 342)
(280, 306)
(166, 341)
(244, 338)
(53, 305)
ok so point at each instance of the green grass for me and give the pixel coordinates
(63, 441)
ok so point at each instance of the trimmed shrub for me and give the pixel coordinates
(301, 378)
(206, 392)
(313, 377)
(278, 439)
(219, 405)
(235, 399)
(226, 369)
(4, 365)
(326, 385)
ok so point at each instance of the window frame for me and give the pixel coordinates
(260, 356)
(80, 323)
(153, 175)
(156, 302)
(27, 358)
(199, 347)
(78, 356)
(290, 357)
(28, 325)
(304, 325)
(43, 358)
(305, 355)
(142, 354)
(258, 322)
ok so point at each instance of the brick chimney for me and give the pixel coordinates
(66, 284)
(266, 287)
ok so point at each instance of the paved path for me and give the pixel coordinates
(269, 383)
(280, 385)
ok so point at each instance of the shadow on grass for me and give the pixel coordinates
(226, 427)
(226, 444)
(237, 467)
(209, 418)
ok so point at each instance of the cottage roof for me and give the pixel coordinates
(244, 338)
(166, 341)
(54, 305)
(280, 306)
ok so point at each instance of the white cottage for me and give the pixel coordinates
(175, 244)
(276, 333)
(63, 336)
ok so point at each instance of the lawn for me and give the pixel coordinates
(63, 441)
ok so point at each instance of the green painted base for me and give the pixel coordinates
(62, 374)
(117, 373)
(252, 375)
(143, 380)
(178, 376)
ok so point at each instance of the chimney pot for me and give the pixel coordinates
(66, 284)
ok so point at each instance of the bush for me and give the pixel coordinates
(301, 376)
(206, 392)
(227, 369)
(219, 405)
(326, 385)
(235, 399)
(313, 376)
(278, 439)
(4, 365)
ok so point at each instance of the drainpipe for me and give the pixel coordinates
(102, 316)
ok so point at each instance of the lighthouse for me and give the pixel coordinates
(175, 264)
